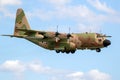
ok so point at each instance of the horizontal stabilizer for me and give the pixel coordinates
(28, 37)
(13, 36)
(8, 35)
(105, 36)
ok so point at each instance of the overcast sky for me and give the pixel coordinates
(23, 60)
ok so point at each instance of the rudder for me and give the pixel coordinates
(20, 23)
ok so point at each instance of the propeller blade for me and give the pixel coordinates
(105, 36)
(69, 35)
(57, 33)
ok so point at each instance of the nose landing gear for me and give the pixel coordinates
(98, 50)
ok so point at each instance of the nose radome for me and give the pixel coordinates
(106, 43)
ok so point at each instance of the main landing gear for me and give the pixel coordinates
(67, 52)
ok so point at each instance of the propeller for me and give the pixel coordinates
(56, 35)
(69, 35)
(105, 36)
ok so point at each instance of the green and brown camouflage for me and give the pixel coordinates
(21, 23)
(60, 42)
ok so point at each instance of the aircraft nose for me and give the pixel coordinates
(106, 43)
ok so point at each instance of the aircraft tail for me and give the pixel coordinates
(21, 23)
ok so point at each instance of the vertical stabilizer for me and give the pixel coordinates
(21, 23)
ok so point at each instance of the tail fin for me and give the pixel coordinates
(21, 23)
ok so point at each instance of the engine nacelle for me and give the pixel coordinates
(71, 46)
(39, 36)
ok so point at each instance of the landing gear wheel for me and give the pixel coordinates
(67, 52)
(73, 51)
(62, 51)
(57, 51)
(98, 50)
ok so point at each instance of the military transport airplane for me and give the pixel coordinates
(60, 42)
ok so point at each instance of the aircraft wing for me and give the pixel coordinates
(43, 33)
(39, 35)
(32, 31)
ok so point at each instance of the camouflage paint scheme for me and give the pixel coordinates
(61, 42)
